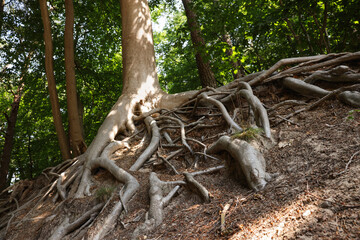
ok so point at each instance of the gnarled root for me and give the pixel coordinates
(155, 215)
(65, 227)
(340, 73)
(223, 110)
(306, 89)
(261, 116)
(129, 189)
(197, 187)
(155, 139)
(249, 161)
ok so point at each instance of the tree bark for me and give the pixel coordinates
(9, 138)
(206, 75)
(77, 142)
(10, 130)
(138, 49)
(55, 107)
(2, 4)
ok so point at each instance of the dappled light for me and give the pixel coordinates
(255, 137)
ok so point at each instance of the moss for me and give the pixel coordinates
(104, 193)
(248, 134)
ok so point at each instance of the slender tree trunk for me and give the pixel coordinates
(308, 39)
(9, 138)
(2, 4)
(207, 76)
(10, 130)
(77, 142)
(322, 31)
(324, 28)
(31, 161)
(55, 107)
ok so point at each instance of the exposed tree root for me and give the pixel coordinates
(306, 89)
(170, 129)
(249, 162)
(223, 110)
(341, 74)
(155, 215)
(155, 139)
(65, 227)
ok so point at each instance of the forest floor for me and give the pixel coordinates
(312, 198)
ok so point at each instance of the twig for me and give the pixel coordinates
(287, 120)
(348, 163)
(223, 214)
(168, 163)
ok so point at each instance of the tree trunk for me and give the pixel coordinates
(141, 88)
(10, 130)
(62, 138)
(2, 4)
(9, 138)
(207, 76)
(77, 142)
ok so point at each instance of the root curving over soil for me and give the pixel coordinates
(173, 179)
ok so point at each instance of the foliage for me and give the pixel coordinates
(352, 113)
(175, 57)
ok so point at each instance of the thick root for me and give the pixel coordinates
(155, 215)
(250, 161)
(65, 227)
(306, 89)
(155, 139)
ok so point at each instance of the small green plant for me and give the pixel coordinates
(351, 114)
(248, 134)
(104, 193)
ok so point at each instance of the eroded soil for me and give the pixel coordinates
(312, 198)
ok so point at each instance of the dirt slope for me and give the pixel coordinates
(310, 199)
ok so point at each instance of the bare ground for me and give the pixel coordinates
(311, 198)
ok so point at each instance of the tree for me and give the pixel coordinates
(9, 137)
(141, 88)
(55, 107)
(77, 142)
(2, 4)
(143, 100)
(206, 75)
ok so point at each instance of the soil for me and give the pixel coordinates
(312, 198)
